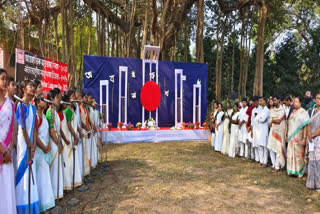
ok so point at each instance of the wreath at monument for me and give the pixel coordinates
(150, 123)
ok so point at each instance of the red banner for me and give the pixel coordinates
(52, 74)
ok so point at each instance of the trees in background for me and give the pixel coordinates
(252, 47)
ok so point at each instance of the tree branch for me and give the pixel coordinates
(97, 5)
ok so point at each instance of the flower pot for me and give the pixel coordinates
(197, 127)
(120, 128)
(139, 128)
(109, 128)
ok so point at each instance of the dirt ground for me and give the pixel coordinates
(188, 177)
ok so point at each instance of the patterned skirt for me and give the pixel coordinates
(313, 180)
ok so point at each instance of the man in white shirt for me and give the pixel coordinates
(262, 125)
(254, 127)
(288, 106)
(243, 134)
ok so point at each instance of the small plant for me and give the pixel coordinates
(138, 125)
(109, 126)
(204, 125)
(184, 125)
(197, 124)
(119, 125)
(190, 125)
(129, 126)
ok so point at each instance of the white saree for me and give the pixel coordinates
(26, 117)
(54, 123)
(7, 184)
(46, 195)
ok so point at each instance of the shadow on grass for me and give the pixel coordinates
(112, 186)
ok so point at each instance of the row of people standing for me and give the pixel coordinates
(282, 133)
(44, 140)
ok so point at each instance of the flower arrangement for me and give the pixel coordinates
(109, 126)
(150, 123)
(197, 124)
(184, 125)
(190, 125)
(119, 125)
(138, 125)
(129, 126)
(204, 125)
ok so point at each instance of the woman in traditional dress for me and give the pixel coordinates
(297, 136)
(85, 135)
(7, 184)
(71, 135)
(46, 195)
(12, 90)
(270, 104)
(95, 121)
(212, 124)
(93, 148)
(26, 145)
(313, 180)
(234, 147)
(37, 89)
(54, 132)
(219, 128)
(226, 136)
(98, 134)
(66, 148)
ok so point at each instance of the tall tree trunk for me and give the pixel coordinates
(29, 34)
(48, 35)
(242, 52)
(199, 39)
(108, 40)
(154, 23)
(132, 28)
(90, 29)
(112, 39)
(21, 35)
(98, 17)
(247, 56)
(103, 32)
(138, 42)
(258, 77)
(117, 41)
(162, 27)
(72, 70)
(68, 43)
(186, 42)
(145, 29)
(56, 36)
(63, 17)
(233, 53)
(218, 84)
(20, 42)
(219, 78)
(245, 51)
(41, 43)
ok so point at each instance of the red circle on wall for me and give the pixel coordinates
(150, 96)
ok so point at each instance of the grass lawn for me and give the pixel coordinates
(188, 177)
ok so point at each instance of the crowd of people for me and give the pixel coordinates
(52, 142)
(282, 132)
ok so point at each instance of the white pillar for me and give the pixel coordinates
(196, 87)
(178, 72)
(123, 69)
(104, 83)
